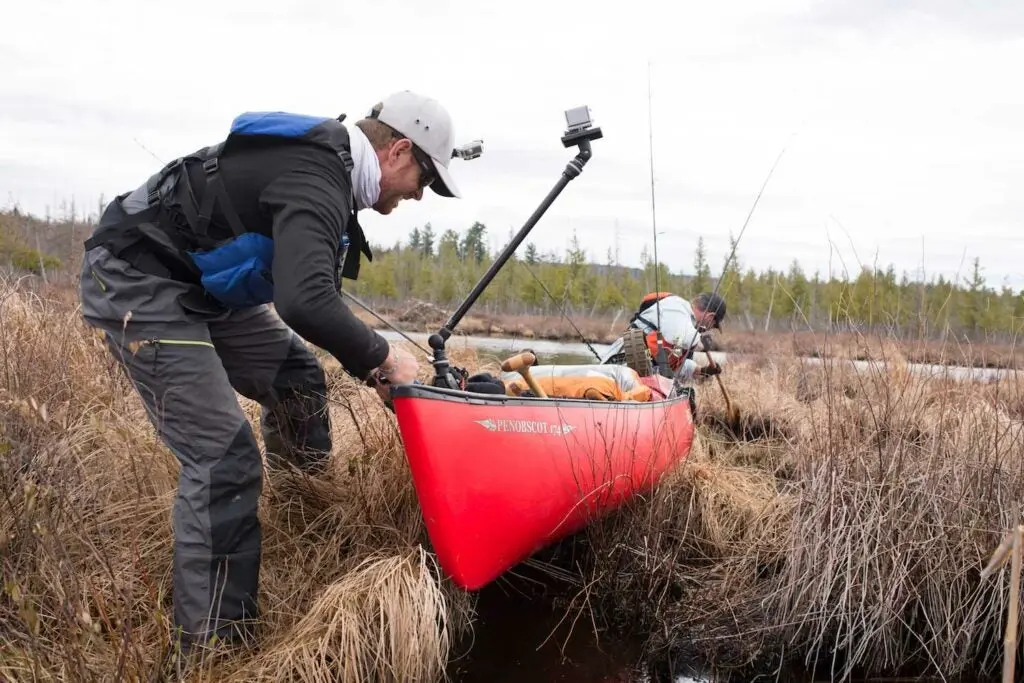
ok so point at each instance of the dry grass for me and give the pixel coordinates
(385, 619)
(846, 523)
(848, 534)
(347, 592)
(950, 350)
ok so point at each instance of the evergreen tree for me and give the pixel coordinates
(531, 254)
(427, 241)
(701, 270)
(474, 243)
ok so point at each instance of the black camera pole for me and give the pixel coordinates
(579, 135)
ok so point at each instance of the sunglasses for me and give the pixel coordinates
(427, 172)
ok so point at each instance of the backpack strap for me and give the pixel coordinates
(216, 192)
(357, 245)
(124, 240)
(124, 232)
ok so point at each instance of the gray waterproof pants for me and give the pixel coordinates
(187, 368)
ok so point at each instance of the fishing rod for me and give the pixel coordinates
(661, 356)
(383, 320)
(732, 410)
(579, 132)
(654, 219)
(562, 311)
(736, 242)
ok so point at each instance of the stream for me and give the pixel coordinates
(559, 352)
(516, 639)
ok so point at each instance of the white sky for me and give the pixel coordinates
(903, 121)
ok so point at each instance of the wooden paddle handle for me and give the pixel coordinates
(725, 394)
(518, 363)
(537, 391)
(521, 364)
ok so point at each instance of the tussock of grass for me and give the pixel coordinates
(379, 621)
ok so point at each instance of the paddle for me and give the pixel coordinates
(521, 364)
(732, 413)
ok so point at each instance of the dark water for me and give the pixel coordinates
(522, 638)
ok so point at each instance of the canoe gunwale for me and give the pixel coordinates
(427, 391)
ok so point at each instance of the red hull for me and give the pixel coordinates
(499, 478)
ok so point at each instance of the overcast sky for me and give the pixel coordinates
(902, 121)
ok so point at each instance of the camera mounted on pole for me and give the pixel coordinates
(580, 132)
(470, 150)
(579, 128)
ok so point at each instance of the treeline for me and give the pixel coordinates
(443, 268)
(30, 245)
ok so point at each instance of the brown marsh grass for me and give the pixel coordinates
(845, 525)
(846, 532)
(347, 592)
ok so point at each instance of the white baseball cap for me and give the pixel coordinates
(429, 126)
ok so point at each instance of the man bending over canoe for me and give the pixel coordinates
(178, 277)
(683, 326)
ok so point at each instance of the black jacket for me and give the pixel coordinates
(296, 193)
(300, 196)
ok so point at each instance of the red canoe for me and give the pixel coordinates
(500, 477)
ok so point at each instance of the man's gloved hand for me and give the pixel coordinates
(707, 341)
